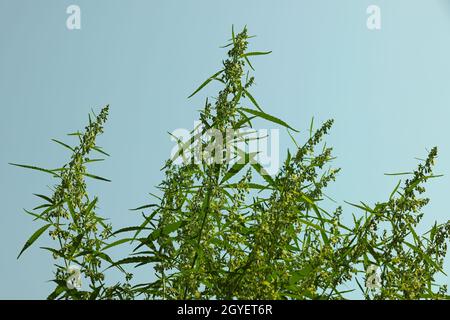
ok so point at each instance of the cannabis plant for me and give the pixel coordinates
(69, 215)
(223, 228)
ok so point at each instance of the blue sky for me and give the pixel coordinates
(388, 91)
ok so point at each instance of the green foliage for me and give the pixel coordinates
(70, 215)
(228, 230)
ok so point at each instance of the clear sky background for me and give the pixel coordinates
(388, 91)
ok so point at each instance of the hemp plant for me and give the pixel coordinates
(217, 234)
(223, 228)
(389, 239)
(69, 214)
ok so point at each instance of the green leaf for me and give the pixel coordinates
(36, 216)
(34, 168)
(95, 293)
(33, 238)
(249, 63)
(144, 207)
(146, 221)
(91, 206)
(116, 243)
(300, 274)
(233, 36)
(359, 285)
(425, 256)
(319, 216)
(253, 100)
(57, 292)
(46, 205)
(98, 149)
(128, 229)
(235, 169)
(255, 186)
(53, 251)
(43, 197)
(73, 214)
(96, 177)
(268, 117)
(64, 145)
(395, 190)
(311, 224)
(104, 256)
(399, 174)
(364, 207)
(206, 82)
(243, 121)
(255, 53)
(75, 245)
(433, 231)
(93, 160)
(172, 227)
(311, 125)
(165, 230)
(139, 259)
